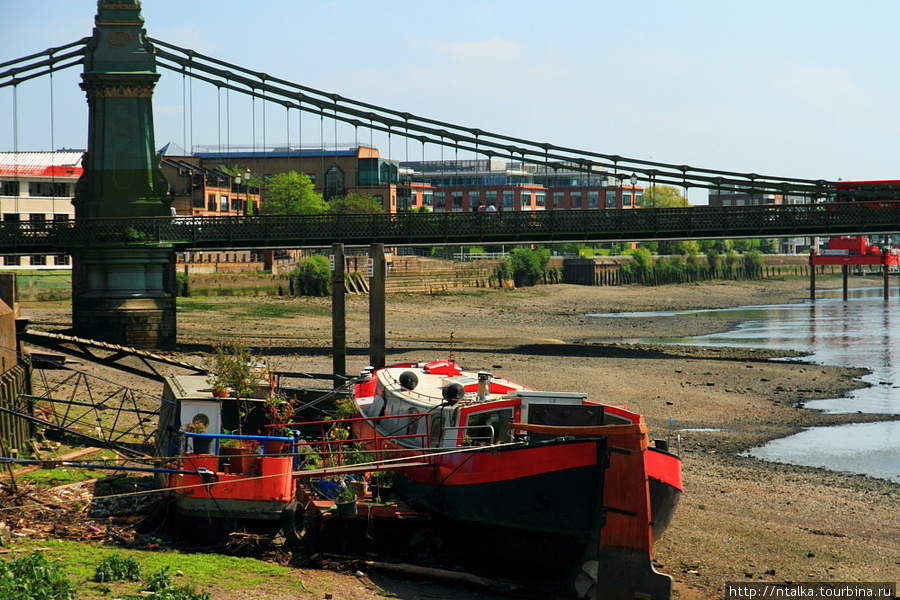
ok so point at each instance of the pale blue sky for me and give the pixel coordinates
(792, 88)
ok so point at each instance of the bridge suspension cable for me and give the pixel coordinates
(393, 122)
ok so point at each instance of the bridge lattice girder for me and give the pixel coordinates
(411, 229)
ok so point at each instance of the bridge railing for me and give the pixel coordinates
(29, 237)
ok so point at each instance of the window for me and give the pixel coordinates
(490, 197)
(474, 199)
(223, 204)
(575, 200)
(60, 217)
(509, 199)
(457, 201)
(236, 204)
(540, 199)
(211, 202)
(428, 198)
(11, 217)
(440, 202)
(558, 199)
(489, 427)
(638, 198)
(47, 189)
(626, 198)
(593, 199)
(12, 260)
(38, 259)
(61, 259)
(37, 217)
(526, 199)
(9, 188)
(414, 197)
(334, 182)
(610, 198)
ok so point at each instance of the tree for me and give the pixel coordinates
(355, 204)
(293, 193)
(663, 196)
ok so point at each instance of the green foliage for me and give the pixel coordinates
(133, 235)
(723, 246)
(679, 247)
(527, 265)
(713, 260)
(731, 260)
(355, 204)
(117, 568)
(181, 284)
(768, 246)
(651, 247)
(745, 245)
(312, 277)
(32, 577)
(663, 196)
(163, 587)
(670, 268)
(641, 262)
(753, 264)
(293, 193)
(503, 271)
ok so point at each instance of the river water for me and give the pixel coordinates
(862, 332)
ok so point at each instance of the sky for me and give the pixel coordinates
(793, 88)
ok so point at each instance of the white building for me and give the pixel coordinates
(38, 186)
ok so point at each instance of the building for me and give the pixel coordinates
(458, 186)
(38, 186)
(737, 196)
(334, 173)
(440, 186)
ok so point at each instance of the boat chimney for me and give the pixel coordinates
(484, 385)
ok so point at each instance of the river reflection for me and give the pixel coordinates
(862, 332)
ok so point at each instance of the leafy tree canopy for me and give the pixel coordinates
(355, 204)
(293, 193)
(663, 196)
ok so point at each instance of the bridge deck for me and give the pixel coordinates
(296, 231)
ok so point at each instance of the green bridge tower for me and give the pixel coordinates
(123, 290)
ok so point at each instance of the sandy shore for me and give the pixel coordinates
(740, 518)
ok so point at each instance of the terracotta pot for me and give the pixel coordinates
(361, 488)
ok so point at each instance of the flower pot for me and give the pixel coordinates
(361, 488)
(275, 446)
(347, 509)
(220, 393)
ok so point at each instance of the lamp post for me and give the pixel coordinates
(247, 183)
(245, 179)
(633, 190)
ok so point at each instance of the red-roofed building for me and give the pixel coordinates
(38, 186)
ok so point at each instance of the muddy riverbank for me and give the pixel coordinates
(739, 518)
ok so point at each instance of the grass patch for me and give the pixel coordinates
(54, 477)
(208, 572)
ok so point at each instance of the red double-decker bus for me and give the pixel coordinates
(875, 194)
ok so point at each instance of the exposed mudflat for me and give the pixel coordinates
(739, 518)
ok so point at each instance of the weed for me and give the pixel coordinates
(117, 568)
(34, 578)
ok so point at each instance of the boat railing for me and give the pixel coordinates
(214, 439)
(336, 451)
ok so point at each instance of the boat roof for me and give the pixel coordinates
(433, 377)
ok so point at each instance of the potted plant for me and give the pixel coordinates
(200, 445)
(236, 369)
(382, 485)
(279, 410)
(346, 501)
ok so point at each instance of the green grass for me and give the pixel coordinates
(205, 571)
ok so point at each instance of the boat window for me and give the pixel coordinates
(479, 426)
(437, 427)
(413, 426)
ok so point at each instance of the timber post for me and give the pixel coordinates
(377, 336)
(338, 310)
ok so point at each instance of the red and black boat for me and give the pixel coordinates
(547, 484)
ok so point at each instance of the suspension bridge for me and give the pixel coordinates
(123, 237)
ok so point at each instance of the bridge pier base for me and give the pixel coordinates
(125, 295)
